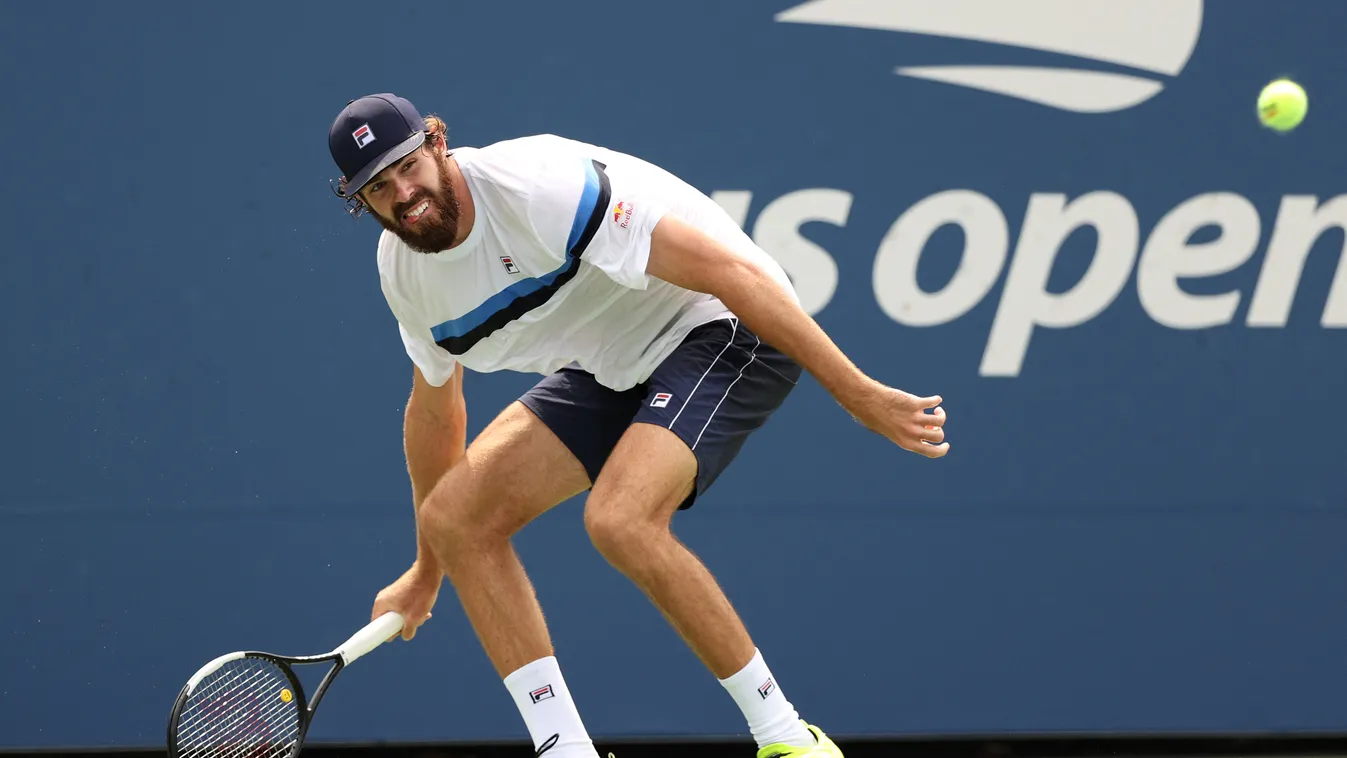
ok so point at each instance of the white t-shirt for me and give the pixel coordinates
(553, 269)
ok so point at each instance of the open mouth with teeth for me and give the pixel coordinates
(415, 214)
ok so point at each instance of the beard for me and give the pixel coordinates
(437, 228)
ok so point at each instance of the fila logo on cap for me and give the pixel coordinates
(363, 136)
(661, 400)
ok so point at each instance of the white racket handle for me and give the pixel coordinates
(375, 633)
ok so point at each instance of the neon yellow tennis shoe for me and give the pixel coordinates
(823, 748)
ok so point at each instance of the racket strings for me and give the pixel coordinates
(242, 728)
(218, 694)
(235, 723)
(240, 711)
(226, 696)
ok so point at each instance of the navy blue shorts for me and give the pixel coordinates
(718, 386)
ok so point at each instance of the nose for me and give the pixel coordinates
(405, 191)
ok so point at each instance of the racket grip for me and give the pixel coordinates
(375, 633)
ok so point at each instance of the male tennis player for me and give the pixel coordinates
(665, 337)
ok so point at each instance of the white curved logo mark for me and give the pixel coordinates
(1153, 36)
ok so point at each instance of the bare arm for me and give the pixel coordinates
(685, 256)
(434, 432)
(434, 436)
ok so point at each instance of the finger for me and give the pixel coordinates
(409, 630)
(931, 434)
(931, 402)
(934, 451)
(935, 418)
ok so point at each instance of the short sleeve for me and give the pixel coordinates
(436, 364)
(581, 209)
(621, 244)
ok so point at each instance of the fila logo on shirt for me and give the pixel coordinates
(622, 213)
(767, 688)
(363, 136)
(509, 264)
(661, 400)
(542, 693)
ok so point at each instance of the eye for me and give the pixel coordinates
(376, 187)
(406, 166)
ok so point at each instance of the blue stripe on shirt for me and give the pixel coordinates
(498, 302)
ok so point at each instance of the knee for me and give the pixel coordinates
(621, 538)
(455, 526)
(444, 526)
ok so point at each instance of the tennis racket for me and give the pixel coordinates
(250, 704)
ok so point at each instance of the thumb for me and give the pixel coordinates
(409, 627)
(931, 402)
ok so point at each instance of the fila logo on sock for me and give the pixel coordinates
(542, 693)
(509, 264)
(661, 400)
(767, 688)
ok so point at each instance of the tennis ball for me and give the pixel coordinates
(286, 696)
(1282, 105)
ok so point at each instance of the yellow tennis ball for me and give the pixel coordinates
(286, 696)
(1282, 105)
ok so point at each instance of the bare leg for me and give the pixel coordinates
(513, 472)
(648, 475)
(650, 472)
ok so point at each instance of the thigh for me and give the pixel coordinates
(719, 387)
(587, 417)
(650, 475)
(513, 472)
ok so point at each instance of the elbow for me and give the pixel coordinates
(736, 279)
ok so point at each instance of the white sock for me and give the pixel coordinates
(545, 703)
(771, 718)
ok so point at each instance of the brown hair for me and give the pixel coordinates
(435, 126)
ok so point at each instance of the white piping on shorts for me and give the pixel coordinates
(753, 357)
(734, 322)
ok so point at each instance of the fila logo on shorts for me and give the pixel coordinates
(363, 136)
(509, 264)
(661, 400)
(542, 693)
(767, 688)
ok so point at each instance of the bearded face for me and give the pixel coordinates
(414, 199)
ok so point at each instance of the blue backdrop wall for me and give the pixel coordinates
(1129, 293)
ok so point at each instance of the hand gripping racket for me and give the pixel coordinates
(250, 704)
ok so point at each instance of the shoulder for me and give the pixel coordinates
(520, 165)
(390, 253)
(541, 178)
(398, 266)
(535, 168)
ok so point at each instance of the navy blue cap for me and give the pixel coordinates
(370, 134)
